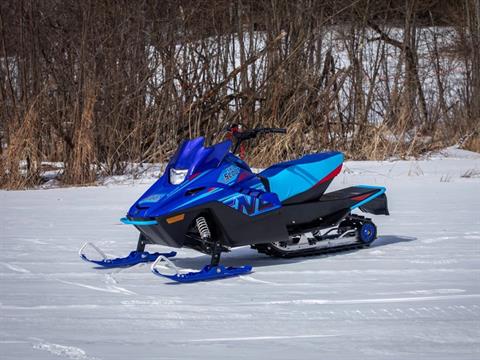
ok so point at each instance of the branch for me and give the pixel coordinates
(235, 72)
(383, 36)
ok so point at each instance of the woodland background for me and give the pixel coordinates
(95, 85)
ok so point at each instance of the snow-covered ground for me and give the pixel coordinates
(415, 294)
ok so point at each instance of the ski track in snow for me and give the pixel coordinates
(16, 268)
(428, 292)
(415, 294)
(365, 301)
(70, 352)
(110, 289)
(261, 338)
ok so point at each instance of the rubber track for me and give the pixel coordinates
(267, 249)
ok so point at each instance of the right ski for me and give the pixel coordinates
(208, 272)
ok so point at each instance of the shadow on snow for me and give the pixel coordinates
(247, 256)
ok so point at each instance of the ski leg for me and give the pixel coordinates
(142, 241)
(216, 252)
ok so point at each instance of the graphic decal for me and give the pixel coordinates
(249, 205)
(151, 199)
(229, 175)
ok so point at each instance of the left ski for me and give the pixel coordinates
(134, 258)
(207, 273)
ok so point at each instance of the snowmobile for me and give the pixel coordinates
(209, 200)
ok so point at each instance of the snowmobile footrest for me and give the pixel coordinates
(134, 258)
(207, 273)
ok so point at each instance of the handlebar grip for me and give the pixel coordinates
(250, 134)
(273, 130)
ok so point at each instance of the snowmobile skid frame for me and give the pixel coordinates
(354, 232)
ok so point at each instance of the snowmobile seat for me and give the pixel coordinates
(303, 179)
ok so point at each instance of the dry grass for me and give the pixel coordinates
(335, 80)
(23, 147)
(79, 169)
(473, 143)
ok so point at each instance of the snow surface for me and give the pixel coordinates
(415, 294)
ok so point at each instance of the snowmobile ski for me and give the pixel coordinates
(134, 258)
(208, 272)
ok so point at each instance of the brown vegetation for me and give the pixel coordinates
(97, 84)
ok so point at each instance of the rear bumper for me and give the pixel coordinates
(376, 206)
(375, 203)
(370, 199)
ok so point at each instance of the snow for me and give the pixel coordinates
(414, 294)
(456, 153)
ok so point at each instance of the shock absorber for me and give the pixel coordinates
(214, 248)
(203, 229)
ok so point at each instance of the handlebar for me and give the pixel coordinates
(272, 130)
(251, 134)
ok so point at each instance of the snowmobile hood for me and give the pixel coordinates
(203, 181)
(194, 157)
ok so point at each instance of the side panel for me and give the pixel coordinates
(235, 228)
(238, 229)
(333, 206)
(232, 227)
(249, 198)
(295, 177)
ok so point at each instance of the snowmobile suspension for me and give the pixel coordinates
(203, 229)
(206, 236)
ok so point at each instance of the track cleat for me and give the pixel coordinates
(134, 258)
(208, 272)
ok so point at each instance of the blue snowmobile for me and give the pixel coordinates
(208, 199)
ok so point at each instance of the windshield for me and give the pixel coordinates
(194, 157)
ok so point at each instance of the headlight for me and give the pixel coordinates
(177, 176)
